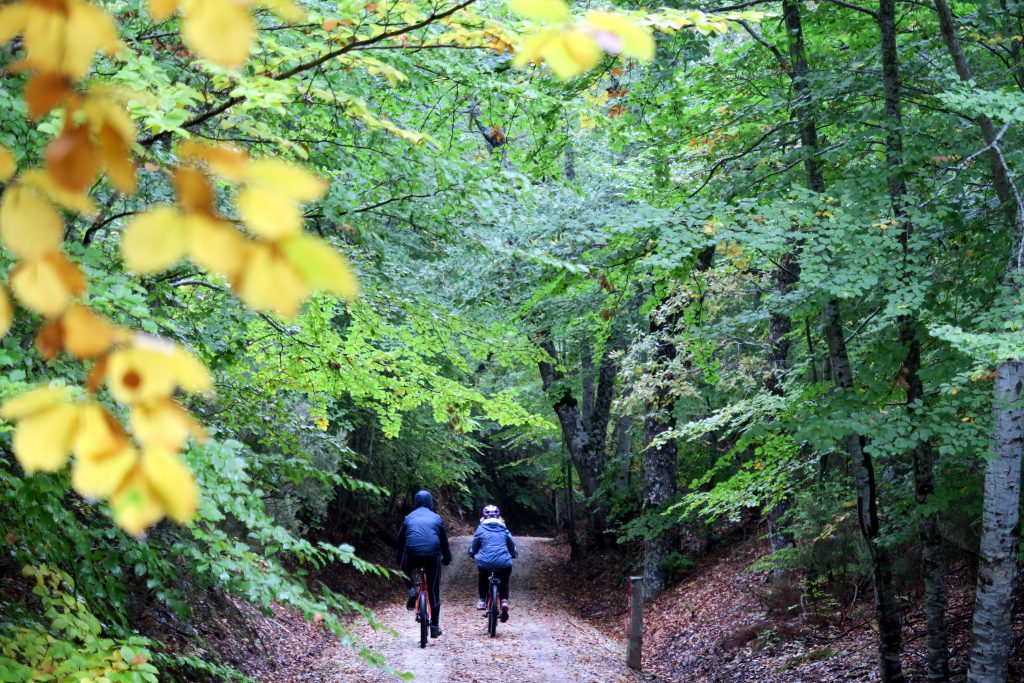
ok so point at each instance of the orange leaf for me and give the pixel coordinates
(117, 159)
(194, 192)
(71, 159)
(44, 91)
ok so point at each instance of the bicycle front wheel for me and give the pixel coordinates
(424, 619)
(492, 613)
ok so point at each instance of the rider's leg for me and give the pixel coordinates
(433, 568)
(504, 575)
(481, 582)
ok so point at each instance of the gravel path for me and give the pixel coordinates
(540, 642)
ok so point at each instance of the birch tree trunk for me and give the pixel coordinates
(1000, 535)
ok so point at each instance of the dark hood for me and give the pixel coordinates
(423, 499)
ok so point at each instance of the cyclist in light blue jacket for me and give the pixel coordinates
(494, 549)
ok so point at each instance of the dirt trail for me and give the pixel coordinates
(540, 643)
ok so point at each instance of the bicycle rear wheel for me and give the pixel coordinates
(424, 618)
(492, 612)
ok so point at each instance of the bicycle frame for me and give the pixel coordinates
(493, 601)
(423, 593)
(424, 610)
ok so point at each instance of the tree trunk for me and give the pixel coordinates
(659, 488)
(886, 609)
(660, 462)
(585, 442)
(923, 454)
(787, 273)
(622, 441)
(934, 565)
(570, 509)
(1000, 535)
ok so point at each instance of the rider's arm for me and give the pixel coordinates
(474, 547)
(511, 543)
(442, 534)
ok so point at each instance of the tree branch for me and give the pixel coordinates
(288, 332)
(312, 64)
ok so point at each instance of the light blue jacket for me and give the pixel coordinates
(493, 545)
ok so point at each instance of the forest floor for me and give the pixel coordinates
(717, 625)
(722, 623)
(543, 640)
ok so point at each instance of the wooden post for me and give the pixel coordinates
(636, 622)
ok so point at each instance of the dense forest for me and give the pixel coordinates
(658, 280)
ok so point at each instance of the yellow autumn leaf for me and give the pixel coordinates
(268, 214)
(40, 180)
(59, 37)
(135, 505)
(154, 241)
(173, 483)
(102, 475)
(189, 372)
(224, 161)
(46, 285)
(33, 401)
(321, 266)
(7, 164)
(286, 9)
(151, 368)
(6, 311)
(214, 245)
(568, 53)
(98, 433)
(161, 10)
(164, 424)
(29, 225)
(87, 335)
(541, 10)
(616, 34)
(46, 425)
(88, 30)
(287, 179)
(270, 283)
(219, 30)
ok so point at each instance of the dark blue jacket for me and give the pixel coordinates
(423, 532)
(493, 546)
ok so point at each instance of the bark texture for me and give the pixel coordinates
(1000, 535)
(886, 608)
(922, 455)
(584, 438)
(787, 273)
(660, 461)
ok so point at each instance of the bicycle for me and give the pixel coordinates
(424, 611)
(493, 611)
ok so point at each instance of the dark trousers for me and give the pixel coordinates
(483, 581)
(432, 565)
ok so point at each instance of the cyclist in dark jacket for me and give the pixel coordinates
(423, 542)
(494, 549)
